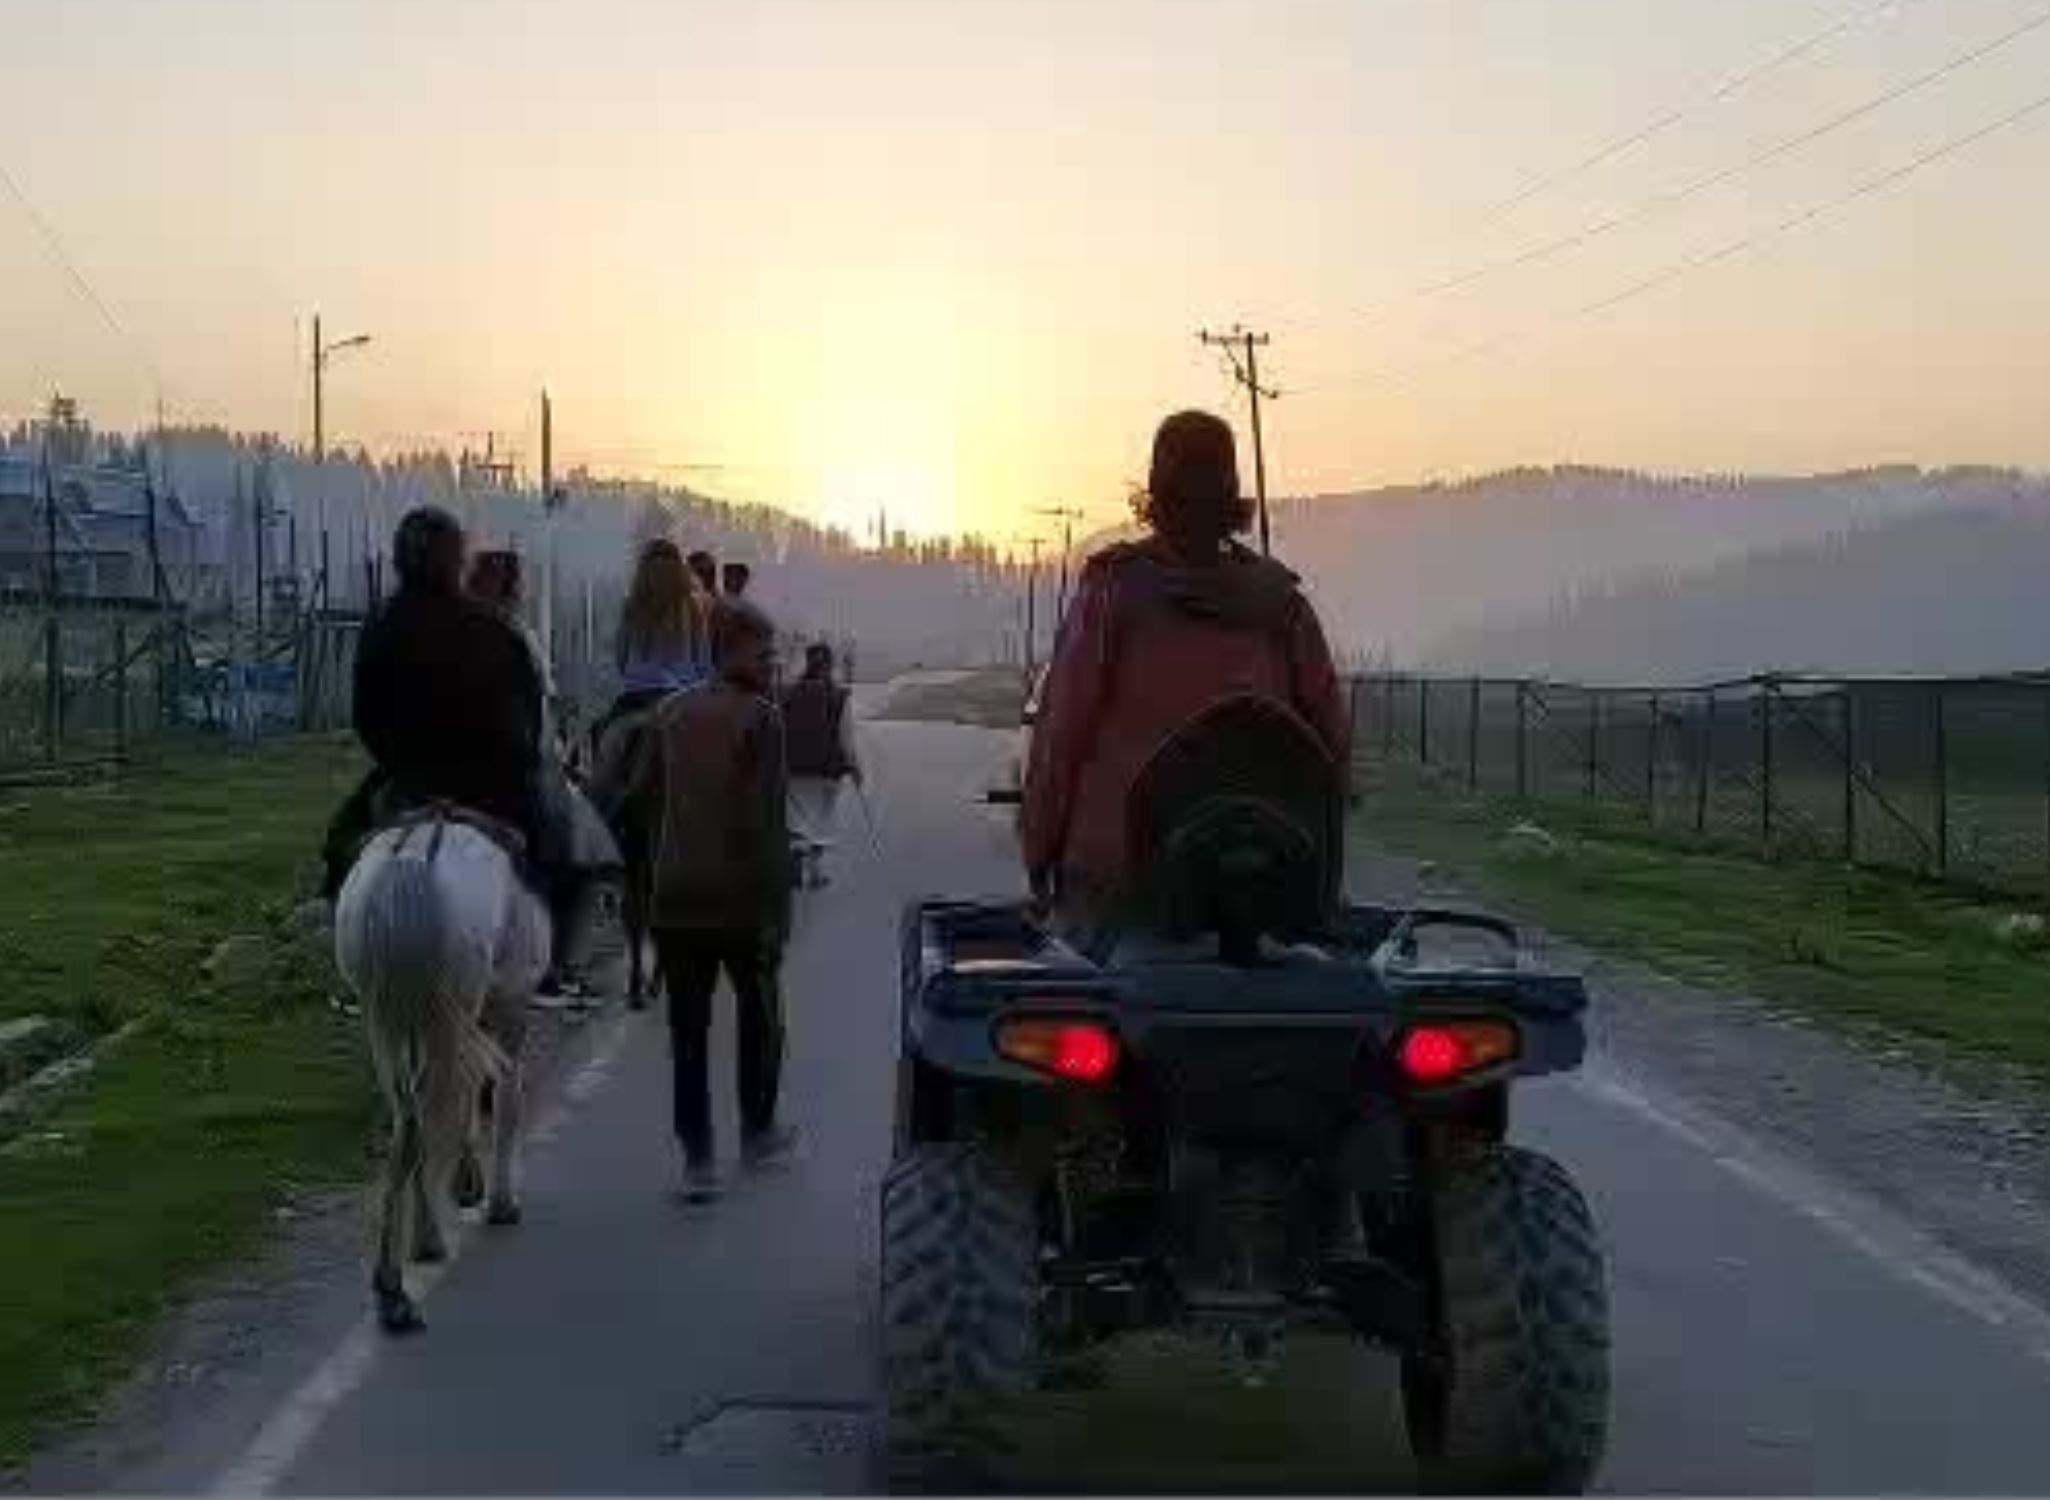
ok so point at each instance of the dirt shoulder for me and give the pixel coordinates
(1950, 1140)
(987, 698)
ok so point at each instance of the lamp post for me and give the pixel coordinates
(322, 353)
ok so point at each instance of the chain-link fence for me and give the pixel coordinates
(1946, 777)
(88, 681)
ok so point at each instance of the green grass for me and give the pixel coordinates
(1874, 952)
(116, 891)
(227, 1097)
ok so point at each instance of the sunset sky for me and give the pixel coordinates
(950, 256)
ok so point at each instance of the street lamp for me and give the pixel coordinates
(322, 353)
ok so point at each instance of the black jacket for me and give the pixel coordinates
(449, 705)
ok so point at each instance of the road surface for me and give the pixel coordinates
(1772, 1334)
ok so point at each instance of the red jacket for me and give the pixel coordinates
(1148, 645)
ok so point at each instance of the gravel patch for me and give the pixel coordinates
(1961, 1151)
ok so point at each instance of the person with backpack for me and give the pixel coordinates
(1159, 632)
(818, 734)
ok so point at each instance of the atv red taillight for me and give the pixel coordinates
(1451, 1050)
(1079, 1051)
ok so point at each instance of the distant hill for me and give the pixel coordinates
(1397, 570)
(1956, 591)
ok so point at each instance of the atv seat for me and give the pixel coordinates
(1236, 829)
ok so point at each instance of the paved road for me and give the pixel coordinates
(1773, 1335)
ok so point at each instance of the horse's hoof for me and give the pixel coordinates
(432, 1253)
(468, 1188)
(504, 1215)
(398, 1313)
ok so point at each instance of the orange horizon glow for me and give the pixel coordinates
(949, 260)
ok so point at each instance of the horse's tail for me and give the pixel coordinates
(420, 978)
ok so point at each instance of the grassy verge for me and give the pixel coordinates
(232, 1092)
(1872, 951)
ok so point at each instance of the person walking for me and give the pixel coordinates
(705, 568)
(712, 783)
(819, 732)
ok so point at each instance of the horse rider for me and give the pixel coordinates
(662, 644)
(1158, 632)
(449, 703)
(495, 581)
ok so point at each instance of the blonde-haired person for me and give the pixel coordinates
(663, 643)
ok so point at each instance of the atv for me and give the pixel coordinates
(1260, 1108)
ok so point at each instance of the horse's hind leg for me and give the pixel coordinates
(505, 1020)
(450, 1120)
(634, 917)
(396, 1310)
(430, 1241)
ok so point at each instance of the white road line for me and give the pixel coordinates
(295, 1423)
(1855, 1221)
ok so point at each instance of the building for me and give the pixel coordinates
(102, 542)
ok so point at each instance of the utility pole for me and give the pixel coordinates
(1032, 608)
(1233, 341)
(319, 363)
(53, 656)
(549, 503)
(1067, 518)
(262, 521)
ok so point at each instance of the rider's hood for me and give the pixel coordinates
(1240, 589)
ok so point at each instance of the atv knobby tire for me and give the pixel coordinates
(1520, 1403)
(960, 1280)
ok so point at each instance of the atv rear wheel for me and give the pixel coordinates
(1519, 1399)
(960, 1282)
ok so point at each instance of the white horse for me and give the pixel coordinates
(443, 944)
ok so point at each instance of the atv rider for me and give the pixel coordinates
(1160, 631)
(448, 702)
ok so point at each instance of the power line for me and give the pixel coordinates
(1736, 83)
(1813, 213)
(53, 242)
(1574, 240)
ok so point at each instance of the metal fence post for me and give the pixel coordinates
(1942, 773)
(1594, 740)
(121, 689)
(1850, 736)
(1423, 720)
(1523, 741)
(1765, 692)
(1707, 764)
(53, 685)
(1651, 761)
(1473, 736)
(1388, 718)
(160, 679)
